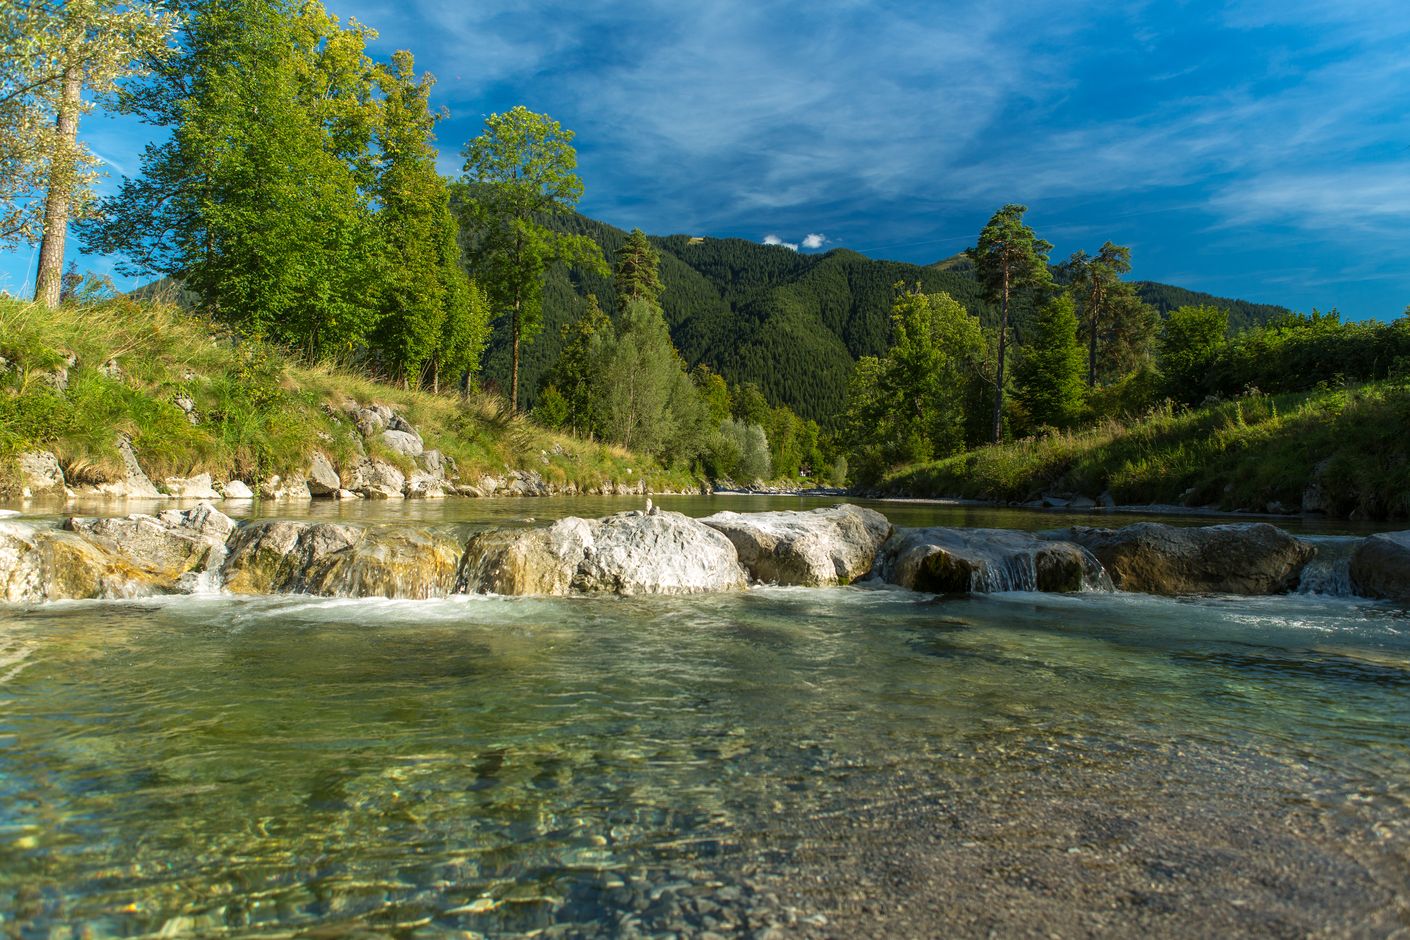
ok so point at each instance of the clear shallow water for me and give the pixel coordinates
(845, 762)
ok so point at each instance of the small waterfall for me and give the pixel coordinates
(1329, 571)
(1001, 572)
(208, 579)
(988, 561)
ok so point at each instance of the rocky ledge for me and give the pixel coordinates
(654, 552)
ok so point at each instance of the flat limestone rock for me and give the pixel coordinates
(815, 547)
(52, 565)
(163, 548)
(1242, 558)
(629, 553)
(1380, 567)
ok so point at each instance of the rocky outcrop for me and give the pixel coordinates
(168, 549)
(334, 560)
(1151, 558)
(956, 561)
(1380, 567)
(526, 561)
(237, 489)
(816, 547)
(376, 479)
(629, 553)
(51, 565)
(403, 442)
(40, 474)
(134, 483)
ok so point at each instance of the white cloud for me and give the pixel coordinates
(775, 240)
(814, 240)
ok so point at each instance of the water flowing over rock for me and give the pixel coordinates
(953, 561)
(40, 474)
(629, 553)
(334, 560)
(1380, 567)
(526, 561)
(171, 550)
(815, 547)
(1152, 558)
(51, 565)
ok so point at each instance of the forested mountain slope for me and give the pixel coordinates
(792, 323)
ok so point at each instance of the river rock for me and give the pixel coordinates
(134, 483)
(196, 487)
(39, 565)
(1240, 558)
(322, 478)
(664, 553)
(526, 561)
(40, 474)
(1380, 567)
(237, 489)
(275, 557)
(164, 548)
(377, 479)
(410, 564)
(956, 561)
(816, 547)
(629, 553)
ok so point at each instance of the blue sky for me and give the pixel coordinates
(1252, 149)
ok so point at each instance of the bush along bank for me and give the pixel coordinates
(140, 400)
(1338, 451)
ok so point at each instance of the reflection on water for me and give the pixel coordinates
(856, 761)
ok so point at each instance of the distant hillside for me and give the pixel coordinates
(1242, 313)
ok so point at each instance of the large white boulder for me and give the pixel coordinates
(815, 547)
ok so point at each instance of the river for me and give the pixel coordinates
(783, 762)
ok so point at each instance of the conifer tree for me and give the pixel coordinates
(1049, 375)
(1010, 261)
(636, 274)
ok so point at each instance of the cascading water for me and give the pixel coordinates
(1329, 571)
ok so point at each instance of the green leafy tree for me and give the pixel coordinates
(714, 392)
(257, 203)
(911, 404)
(636, 274)
(52, 52)
(424, 282)
(639, 379)
(519, 174)
(1049, 375)
(1009, 261)
(1189, 345)
(551, 410)
(465, 328)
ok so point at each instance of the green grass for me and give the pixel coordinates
(261, 412)
(1240, 454)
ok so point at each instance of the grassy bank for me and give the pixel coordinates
(1353, 443)
(76, 377)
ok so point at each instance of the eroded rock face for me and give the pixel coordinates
(1380, 567)
(274, 557)
(1241, 558)
(40, 474)
(629, 553)
(404, 443)
(333, 560)
(51, 565)
(164, 548)
(816, 547)
(526, 561)
(956, 561)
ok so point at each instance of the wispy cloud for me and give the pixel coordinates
(775, 240)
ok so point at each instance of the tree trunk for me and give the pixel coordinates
(1092, 353)
(999, 372)
(514, 369)
(63, 172)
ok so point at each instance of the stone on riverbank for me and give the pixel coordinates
(816, 547)
(952, 561)
(1239, 558)
(1380, 567)
(40, 474)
